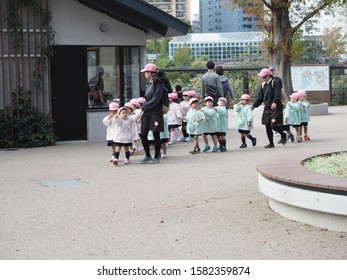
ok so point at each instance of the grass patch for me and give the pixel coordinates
(333, 164)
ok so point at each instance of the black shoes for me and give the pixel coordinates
(269, 146)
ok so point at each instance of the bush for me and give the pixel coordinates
(28, 127)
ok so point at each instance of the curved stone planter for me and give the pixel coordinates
(302, 195)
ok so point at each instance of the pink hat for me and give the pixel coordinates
(129, 105)
(150, 67)
(193, 100)
(302, 92)
(174, 95)
(141, 100)
(223, 99)
(208, 98)
(264, 72)
(121, 109)
(135, 102)
(245, 96)
(295, 95)
(192, 93)
(113, 106)
(186, 93)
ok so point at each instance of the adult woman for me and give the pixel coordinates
(152, 119)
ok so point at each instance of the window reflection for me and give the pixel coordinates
(106, 83)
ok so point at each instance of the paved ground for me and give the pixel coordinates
(204, 206)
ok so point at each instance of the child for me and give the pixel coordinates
(164, 136)
(109, 122)
(174, 119)
(137, 140)
(292, 114)
(184, 106)
(244, 120)
(194, 119)
(305, 115)
(222, 123)
(123, 135)
(210, 125)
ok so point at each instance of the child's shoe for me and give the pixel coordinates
(254, 141)
(115, 161)
(193, 151)
(207, 148)
(198, 149)
(112, 158)
(306, 138)
(126, 161)
(215, 150)
(298, 139)
(292, 138)
(243, 146)
(164, 156)
(172, 142)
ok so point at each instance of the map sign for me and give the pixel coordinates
(310, 78)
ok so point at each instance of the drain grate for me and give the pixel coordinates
(65, 183)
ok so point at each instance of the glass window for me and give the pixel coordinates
(103, 76)
(113, 75)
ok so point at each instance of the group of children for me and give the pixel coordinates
(124, 124)
(297, 115)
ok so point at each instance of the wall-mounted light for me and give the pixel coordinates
(103, 27)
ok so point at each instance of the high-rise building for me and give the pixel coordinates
(324, 20)
(223, 16)
(177, 8)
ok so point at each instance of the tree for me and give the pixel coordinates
(274, 16)
(334, 43)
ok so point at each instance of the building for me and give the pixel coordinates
(177, 8)
(222, 16)
(104, 37)
(316, 26)
(235, 46)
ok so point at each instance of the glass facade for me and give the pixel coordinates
(236, 46)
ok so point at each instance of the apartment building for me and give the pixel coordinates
(177, 8)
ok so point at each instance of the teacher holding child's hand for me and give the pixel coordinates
(152, 118)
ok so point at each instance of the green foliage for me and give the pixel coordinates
(334, 164)
(23, 126)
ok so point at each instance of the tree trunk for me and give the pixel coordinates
(281, 38)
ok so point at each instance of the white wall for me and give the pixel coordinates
(76, 24)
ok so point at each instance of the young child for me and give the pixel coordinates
(210, 125)
(109, 122)
(244, 120)
(194, 120)
(164, 137)
(292, 114)
(137, 140)
(305, 114)
(123, 136)
(184, 106)
(222, 123)
(174, 119)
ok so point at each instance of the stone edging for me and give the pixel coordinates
(303, 195)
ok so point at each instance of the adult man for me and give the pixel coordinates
(211, 83)
(270, 94)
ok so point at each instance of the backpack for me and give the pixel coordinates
(284, 96)
(225, 86)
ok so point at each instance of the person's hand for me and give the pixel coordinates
(252, 108)
(273, 106)
(249, 124)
